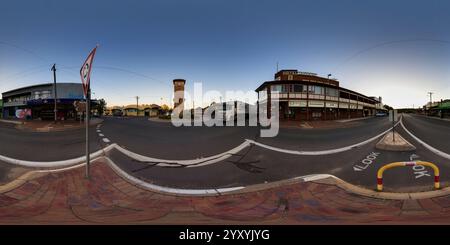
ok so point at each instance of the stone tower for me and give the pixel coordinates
(178, 88)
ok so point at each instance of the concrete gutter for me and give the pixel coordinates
(333, 180)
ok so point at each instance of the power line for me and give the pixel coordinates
(25, 50)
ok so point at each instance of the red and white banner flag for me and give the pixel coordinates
(85, 71)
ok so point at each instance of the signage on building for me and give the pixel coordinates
(23, 113)
(316, 104)
(297, 103)
(331, 105)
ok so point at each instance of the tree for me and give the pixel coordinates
(165, 107)
(388, 107)
(101, 107)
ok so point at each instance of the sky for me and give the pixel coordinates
(399, 50)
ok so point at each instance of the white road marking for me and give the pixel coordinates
(419, 170)
(53, 164)
(154, 187)
(101, 135)
(366, 161)
(324, 152)
(314, 177)
(99, 131)
(187, 163)
(429, 147)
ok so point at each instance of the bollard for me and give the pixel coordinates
(380, 172)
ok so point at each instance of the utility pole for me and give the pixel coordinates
(137, 106)
(431, 101)
(55, 97)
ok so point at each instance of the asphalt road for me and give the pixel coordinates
(432, 131)
(163, 140)
(252, 165)
(259, 165)
(45, 146)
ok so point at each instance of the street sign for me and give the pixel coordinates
(393, 116)
(85, 71)
(80, 106)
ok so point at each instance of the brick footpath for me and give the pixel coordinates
(68, 198)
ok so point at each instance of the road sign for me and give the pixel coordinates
(80, 106)
(393, 116)
(85, 71)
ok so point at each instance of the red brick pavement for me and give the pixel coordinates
(68, 198)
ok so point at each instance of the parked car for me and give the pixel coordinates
(381, 114)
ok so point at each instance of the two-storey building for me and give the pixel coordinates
(307, 96)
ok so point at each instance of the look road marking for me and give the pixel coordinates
(419, 170)
(366, 161)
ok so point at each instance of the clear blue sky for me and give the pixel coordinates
(394, 49)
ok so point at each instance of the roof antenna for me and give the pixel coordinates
(277, 66)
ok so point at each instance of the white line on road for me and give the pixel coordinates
(429, 147)
(54, 164)
(153, 187)
(101, 135)
(188, 163)
(324, 152)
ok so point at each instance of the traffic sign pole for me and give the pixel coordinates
(85, 72)
(88, 110)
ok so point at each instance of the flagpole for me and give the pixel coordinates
(88, 110)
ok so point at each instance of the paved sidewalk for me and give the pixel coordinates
(17, 122)
(50, 126)
(329, 124)
(156, 119)
(67, 197)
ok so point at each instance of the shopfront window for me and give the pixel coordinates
(298, 88)
(276, 88)
(316, 89)
(42, 94)
(332, 92)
